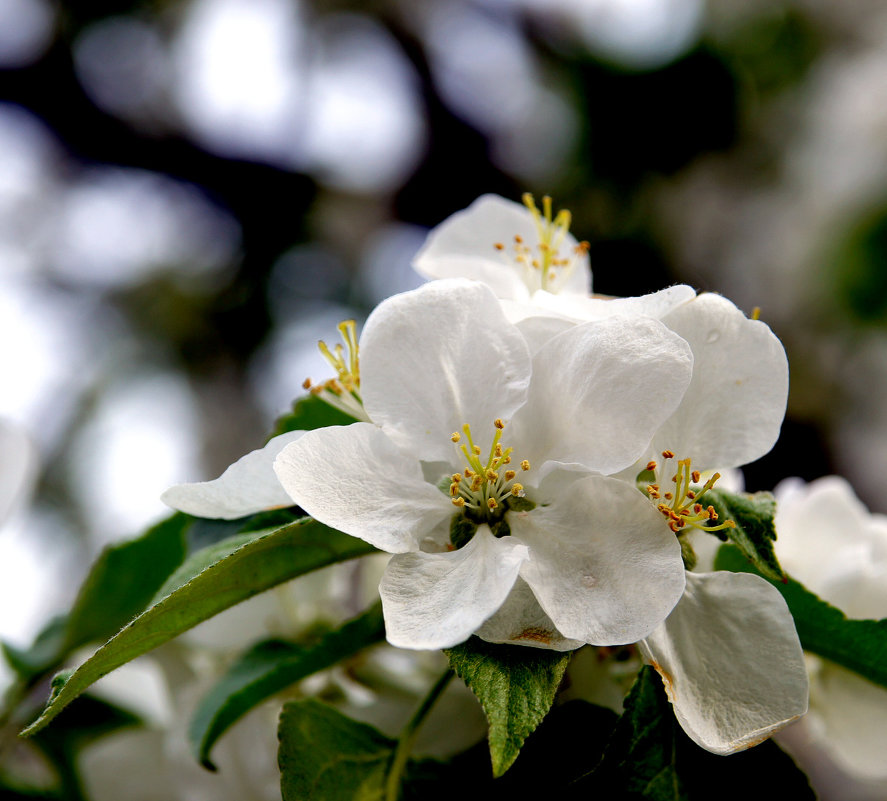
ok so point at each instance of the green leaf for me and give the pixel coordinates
(516, 686)
(326, 756)
(124, 579)
(860, 645)
(268, 668)
(641, 757)
(119, 585)
(309, 413)
(264, 560)
(649, 757)
(755, 531)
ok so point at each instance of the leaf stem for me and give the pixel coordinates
(408, 737)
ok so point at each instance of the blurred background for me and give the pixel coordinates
(193, 192)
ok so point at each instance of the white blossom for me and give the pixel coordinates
(465, 422)
(833, 545)
(517, 250)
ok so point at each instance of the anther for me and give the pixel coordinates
(476, 450)
(525, 465)
(517, 490)
(455, 436)
(306, 384)
(509, 475)
(459, 502)
(651, 465)
(498, 423)
(695, 476)
(667, 455)
(499, 246)
(457, 477)
(491, 502)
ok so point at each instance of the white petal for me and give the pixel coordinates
(353, 478)
(603, 563)
(730, 660)
(247, 486)
(733, 409)
(464, 245)
(438, 357)
(582, 309)
(599, 392)
(854, 711)
(437, 600)
(521, 621)
(826, 517)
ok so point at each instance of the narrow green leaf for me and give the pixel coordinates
(516, 686)
(309, 413)
(260, 563)
(755, 531)
(119, 585)
(860, 645)
(270, 667)
(649, 757)
(326, 756)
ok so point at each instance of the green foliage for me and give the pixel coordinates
(119, 585)
(516, 686)
(261, 561)
(326, 756)
(860, 645)
(641, 757)
(309, 413)
(755, 531)
(270, 667)
(649, 757)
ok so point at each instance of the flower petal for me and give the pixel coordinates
(854, 711)
(600, 390)
(464, 246)
(246, 487)
(733, 409)
(603, 563)
(730, 660)
(437, 600)
(521, 621)
(438, 357)
(353, 478)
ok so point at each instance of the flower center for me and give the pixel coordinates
(681, 506)
(544, 266)
(483, 487)
(343, 391)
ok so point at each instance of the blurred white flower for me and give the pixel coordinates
(831, 543)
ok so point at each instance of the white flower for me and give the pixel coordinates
(728, 654)
(516, 250)
(831, 543)
(733, 677)
(453, 394)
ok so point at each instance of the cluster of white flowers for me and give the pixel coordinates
(504, 417)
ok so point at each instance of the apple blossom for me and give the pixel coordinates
(515, 249)
(832, 544)
(471, 440)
